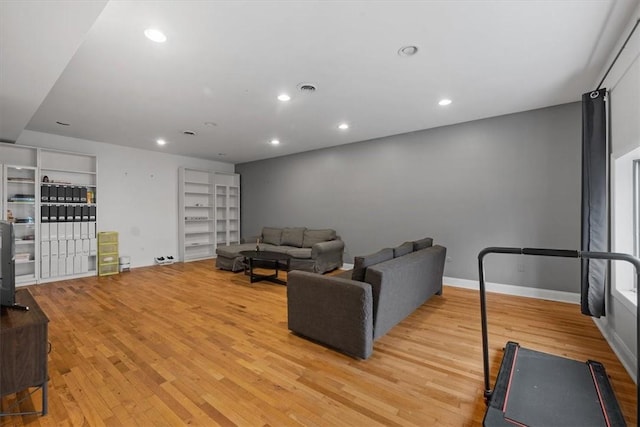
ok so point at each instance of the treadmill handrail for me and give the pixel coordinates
(542, 252)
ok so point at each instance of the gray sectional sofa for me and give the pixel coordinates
(349, 313)
(317, 251)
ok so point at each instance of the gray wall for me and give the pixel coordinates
(505, 181)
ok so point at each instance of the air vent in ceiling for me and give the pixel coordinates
(189, 132)
(307, 87)
(408, 50)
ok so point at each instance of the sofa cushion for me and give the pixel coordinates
(304, 253)
(427, 242)
(233, 251)
(293, 236)
(311, 237)
(280, 249)
(271, 235)
(403, 249)
(360, 263)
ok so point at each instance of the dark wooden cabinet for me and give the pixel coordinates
(23, 348)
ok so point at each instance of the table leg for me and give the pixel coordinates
(251, 275)
(267, 263)
(45, 394)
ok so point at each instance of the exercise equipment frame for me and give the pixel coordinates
(597, 370)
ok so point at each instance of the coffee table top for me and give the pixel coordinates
(266, 255)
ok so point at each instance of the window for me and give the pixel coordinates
(626, 224)
(636, 208)
(636, 214)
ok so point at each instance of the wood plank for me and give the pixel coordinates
(187, 344)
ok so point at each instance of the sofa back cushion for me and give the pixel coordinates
(427, 242)
(292, 236)
(403, 249)
(401, 285)
(271, 235)
(360, 263)
(311, 237)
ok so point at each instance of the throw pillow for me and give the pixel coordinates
(311, 237)
(292, 236)
(403, 249)
(427, 242)
(360, 263)
(271, 235)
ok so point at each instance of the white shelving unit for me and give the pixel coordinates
(227, 224)
(19, 190)
(18, 172)
(197, 215)
(50, 250)
(209, 212)
(68, 240)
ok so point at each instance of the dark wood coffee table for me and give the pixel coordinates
(265, 259)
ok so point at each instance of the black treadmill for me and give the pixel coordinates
(536, 389)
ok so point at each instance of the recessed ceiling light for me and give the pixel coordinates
(444, 102)
(63, 124)
(155, 35)
(343, 126)
(275, 142)
(284, 97)
(408, 50)
(161, 141)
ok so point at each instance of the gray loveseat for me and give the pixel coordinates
(317, 251)
(348, 314)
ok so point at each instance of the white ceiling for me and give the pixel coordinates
(225, 62)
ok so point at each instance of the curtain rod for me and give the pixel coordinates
(618, 55)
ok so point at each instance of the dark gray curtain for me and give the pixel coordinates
(595, 231)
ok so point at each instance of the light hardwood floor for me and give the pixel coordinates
(187, 344)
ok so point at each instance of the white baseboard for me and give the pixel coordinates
(521, 291)
(624, 353)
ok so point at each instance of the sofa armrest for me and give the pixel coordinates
(335, 312)
(330, 246)
(327, 255)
